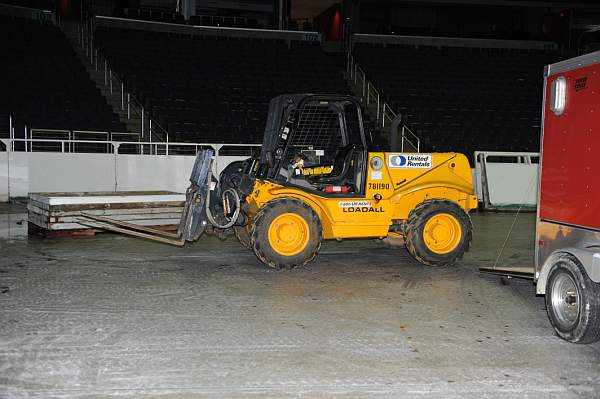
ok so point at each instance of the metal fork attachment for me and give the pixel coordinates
(193, 220)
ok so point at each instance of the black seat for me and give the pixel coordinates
(341, 166)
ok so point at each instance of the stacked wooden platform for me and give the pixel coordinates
(60, 213)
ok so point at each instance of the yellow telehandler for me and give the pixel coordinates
(316, 178)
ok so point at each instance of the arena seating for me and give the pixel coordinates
(39, 4)
(462, 99)
(215, 89)
(157, 15)
(161, 14)
(44, 84)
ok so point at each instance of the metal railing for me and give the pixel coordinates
(150, 129)
(384, 114)
(196, 30)
(434, 41)
(410, 139)
(90, 137)
(114, 147)
(33, 139)
(102, 142)
(369, 94)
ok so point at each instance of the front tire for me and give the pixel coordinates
(573, 302)
(286, 233)
(438, 232)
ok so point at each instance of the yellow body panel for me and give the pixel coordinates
(400, 187)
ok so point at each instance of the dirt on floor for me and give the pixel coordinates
(116, 316)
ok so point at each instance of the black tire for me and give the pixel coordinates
(415, 225)
(241, 233)
(574, 314)
(259, 233)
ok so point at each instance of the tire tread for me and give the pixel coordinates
(590, 293)
(415, 221)
(255, 241)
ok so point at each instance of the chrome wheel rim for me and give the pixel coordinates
(565, 300)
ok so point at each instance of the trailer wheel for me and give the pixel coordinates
(573, 302)
(241, 233)
(438, 232)
(286, 233)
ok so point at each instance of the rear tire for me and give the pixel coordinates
(438, 232)
(573, 302)
(286, 233)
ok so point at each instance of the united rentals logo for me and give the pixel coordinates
(409, 161)
(580, 84)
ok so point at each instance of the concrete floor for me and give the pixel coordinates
(114, 316)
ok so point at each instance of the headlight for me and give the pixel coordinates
(376, 163)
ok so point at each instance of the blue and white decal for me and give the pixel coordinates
(409, 161)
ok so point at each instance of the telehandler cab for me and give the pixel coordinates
(316, 179)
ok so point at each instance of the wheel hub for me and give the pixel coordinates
(442, 233)
(565, 300)
(288, 234)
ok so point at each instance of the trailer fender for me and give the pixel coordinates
(589, 258)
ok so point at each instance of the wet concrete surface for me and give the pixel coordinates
(102, 316)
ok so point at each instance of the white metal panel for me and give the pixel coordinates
(506, 178)
(476, 175)
(222, 161)
(172, 172)
(32, 172)
(4, 177)
(512, 184)
(153, 172)
(51, 172)
(18, 173)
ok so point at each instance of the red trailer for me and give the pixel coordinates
(567, 249)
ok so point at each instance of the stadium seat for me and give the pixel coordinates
(462, 99)
(215, 89)
(45, 85)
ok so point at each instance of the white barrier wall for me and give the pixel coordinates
(66, 172)
(505, 179)
(500, 183)
(512, 184)
(148, 172)
(22, 173)
(3, 177)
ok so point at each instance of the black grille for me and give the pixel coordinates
(319, 127)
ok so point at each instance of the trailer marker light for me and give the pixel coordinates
(558, 95)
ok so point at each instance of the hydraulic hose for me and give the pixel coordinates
(236, 213)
